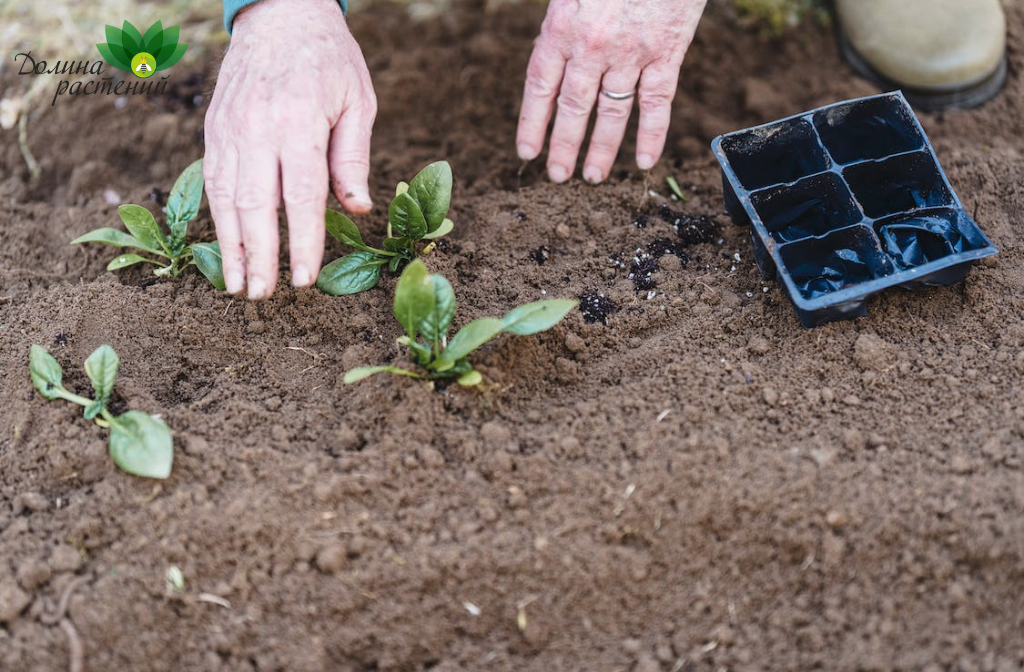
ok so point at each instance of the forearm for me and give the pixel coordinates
(232, 7)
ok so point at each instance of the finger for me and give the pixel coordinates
(349, 156)
(220, 172)
(575, 101)
(657, 89)
(543, 77)
(610, 127)
(257, 196)
(304, 183)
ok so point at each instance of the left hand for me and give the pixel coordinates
(589, 46)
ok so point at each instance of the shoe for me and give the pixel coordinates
(943, 54)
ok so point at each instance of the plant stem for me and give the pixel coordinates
(63, 393)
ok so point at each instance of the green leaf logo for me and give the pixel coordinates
(142, 54)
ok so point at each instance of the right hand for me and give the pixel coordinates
(292, 113)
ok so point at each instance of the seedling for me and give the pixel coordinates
(425, 306)
(419, 212)
(173, 256)
(139, 443)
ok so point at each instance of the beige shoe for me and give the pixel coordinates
(944, 54)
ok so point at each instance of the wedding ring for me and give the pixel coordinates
(618, 96)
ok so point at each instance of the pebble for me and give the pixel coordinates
(431, 458)
(854, 440)
(562, 231)
(13, 601)
(330, 559)
(517, 499)
(33, 573)
(574, 343)
(65, 559)
(30, 501)
(759, 345)
(771, 396)
(836, 518)
(870, 352)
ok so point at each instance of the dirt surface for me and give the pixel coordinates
(698, 484)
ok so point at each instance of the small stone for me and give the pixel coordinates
(759, 345)
(827, 395)
(431, 458)
(330, 559)
(65, 559)
(574, 343)
(854, 440)
(823, 457)
(960, 464)
(632, 646)
(836, 519)
(517, 499)
(33, 573)
(872, 353)
(13, 601)
(272, 403)
(562, 231)
(32, 502)
(771, 396)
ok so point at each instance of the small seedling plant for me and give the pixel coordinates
(418, 212)
(425, 307)
(167, 248)
(140, 444)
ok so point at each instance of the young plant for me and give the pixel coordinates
(418, 212)
(172, 254)
(425, 306)
(139, 443)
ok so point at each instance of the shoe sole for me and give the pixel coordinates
(926, 100)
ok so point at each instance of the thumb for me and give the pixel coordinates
(349, 157)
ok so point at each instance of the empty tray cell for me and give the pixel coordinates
(811, 207)
(844, 258)
(899, 184)
(868, 129)
(926, 236)
(774, 154)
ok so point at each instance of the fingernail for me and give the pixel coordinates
(300, 276)
(558, 173)
(526, 152)
(234, 282)
(257, 288)
(592, 174)
(360, 197)
(644, 161)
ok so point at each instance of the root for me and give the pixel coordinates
(76, 651)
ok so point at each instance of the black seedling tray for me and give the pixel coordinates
(845, 201)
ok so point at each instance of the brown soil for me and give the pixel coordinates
(700, 484)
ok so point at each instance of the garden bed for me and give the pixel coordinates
(690, 480)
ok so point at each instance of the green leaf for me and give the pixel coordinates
(45, 372)
(344, 229)
(438, 321)
(468, 339)
(208, 260)
(405, 215)
(414, 297)
(183, 201)
(446, 227)
(470, 379)
(101, 367)
(536, 317)
(141, 444)
(94, 409)
(355, 375)
(152, 41)
(351, 274)
(401, 188)
(126, 260)
(143, 226)
(114, 55)
(131, 39)
(432, 191)
(421, 351)
(394, 263)
(396, 244)
(165, 62)
(108, 236)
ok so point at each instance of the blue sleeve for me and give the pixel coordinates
(232, 7)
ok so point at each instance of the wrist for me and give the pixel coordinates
(238, 13)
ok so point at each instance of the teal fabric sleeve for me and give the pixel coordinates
(232, 7)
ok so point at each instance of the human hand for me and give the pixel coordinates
(293, 105)
(587, 47)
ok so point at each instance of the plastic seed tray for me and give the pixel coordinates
(845, 201)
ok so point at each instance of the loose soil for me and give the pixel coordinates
(696, 484)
